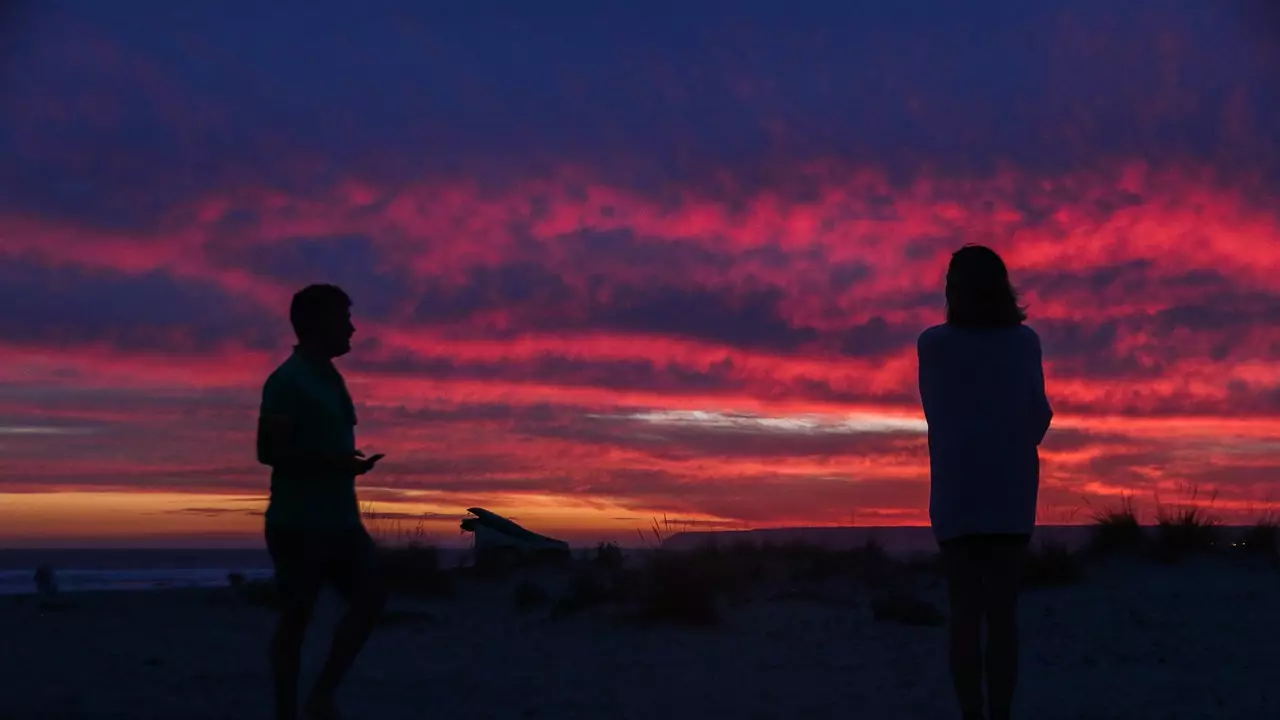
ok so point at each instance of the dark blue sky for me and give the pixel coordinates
(114, 110)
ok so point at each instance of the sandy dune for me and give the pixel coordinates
(1136, 640)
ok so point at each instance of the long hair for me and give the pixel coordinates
(979, 293)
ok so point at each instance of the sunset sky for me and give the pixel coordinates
(612, 260)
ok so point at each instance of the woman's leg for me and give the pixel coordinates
(964, 592)
(1002, 574)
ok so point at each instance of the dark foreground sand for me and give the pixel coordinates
(1136, 640)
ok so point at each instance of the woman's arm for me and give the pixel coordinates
(926, 355)
(1042, 412)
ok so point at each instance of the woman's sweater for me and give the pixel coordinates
(984, 400)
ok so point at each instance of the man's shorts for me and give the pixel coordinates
(308, 559)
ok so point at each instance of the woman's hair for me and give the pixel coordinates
(979, 293)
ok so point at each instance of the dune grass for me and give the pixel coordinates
(1181, 529)
(1117, 529)
(681, 588)
(407, 558)
(695, 587)
(659, 531)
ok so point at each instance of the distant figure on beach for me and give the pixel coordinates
(46, 582)
(982, 386)
(314, 533)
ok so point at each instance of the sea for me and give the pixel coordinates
(93, 570)
(143, 569)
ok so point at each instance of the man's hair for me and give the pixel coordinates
(314, 305)
(979, 293)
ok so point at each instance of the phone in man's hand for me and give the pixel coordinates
(365, 464)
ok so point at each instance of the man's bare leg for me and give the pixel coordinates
(286, 657)
(353, 631)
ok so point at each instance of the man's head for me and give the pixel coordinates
(321, 317)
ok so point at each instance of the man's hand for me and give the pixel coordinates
(371, 461)
(358, 464)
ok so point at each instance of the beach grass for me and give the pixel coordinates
(1185, 529)
(699, 586)
(1117, 529)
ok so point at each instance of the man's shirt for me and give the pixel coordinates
(309, 399)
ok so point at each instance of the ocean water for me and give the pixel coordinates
(86, 570)
(150, 569)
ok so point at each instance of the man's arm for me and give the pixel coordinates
(275, 440)
(278, 444)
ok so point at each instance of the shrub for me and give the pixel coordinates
(609, 557)
(414, 570)
(1183, 532)
(1117, 529)
(684, 588)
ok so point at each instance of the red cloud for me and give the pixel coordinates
(564, 303)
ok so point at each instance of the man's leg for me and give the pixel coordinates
(964, 592)
(357, 579)
(298, 579)
(1003, 575)
(286, 658)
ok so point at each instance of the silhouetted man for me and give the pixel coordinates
(306, 433)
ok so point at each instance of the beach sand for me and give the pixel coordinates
(1135, 640)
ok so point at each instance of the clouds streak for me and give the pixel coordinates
(553, 223)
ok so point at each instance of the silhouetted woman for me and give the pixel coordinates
(982, 386)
